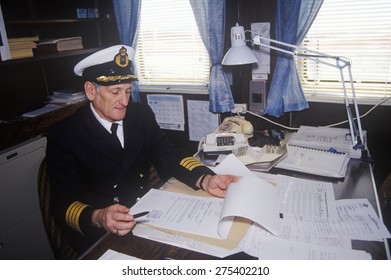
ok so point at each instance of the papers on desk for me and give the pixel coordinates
(45, 109)
(114, 255)
(251, 198)
(314, 224)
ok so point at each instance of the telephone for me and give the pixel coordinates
(230, 135)
(236, 125)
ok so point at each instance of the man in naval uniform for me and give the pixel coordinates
(100, 157)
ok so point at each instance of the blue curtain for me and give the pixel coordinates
(210, 18)
(127, 15)
(293, 19)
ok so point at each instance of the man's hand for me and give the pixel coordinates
(115, 219)
(217, 185)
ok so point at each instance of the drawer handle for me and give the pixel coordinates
(1, 245)
(12, 155)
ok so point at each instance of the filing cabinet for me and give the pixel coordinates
(22, 232)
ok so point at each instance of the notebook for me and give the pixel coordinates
(315, 161)
(325, 138)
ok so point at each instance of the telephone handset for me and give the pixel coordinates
(230, 135)
(236, 125)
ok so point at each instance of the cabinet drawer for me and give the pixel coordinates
(27, 240)
(18, 182)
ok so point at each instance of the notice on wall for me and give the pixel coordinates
(168, 110)
(201, 120)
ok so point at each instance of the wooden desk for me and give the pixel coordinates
(358, 183)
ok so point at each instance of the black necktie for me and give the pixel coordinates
(114, 127)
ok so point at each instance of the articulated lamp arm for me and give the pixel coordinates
(340, 63)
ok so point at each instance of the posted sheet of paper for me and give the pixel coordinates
(201, 120)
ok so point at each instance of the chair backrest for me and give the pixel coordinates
(61, 248)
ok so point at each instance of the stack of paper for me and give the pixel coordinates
(67, 96)
(326, 138)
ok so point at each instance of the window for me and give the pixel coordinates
(359, 30)
(170, 53)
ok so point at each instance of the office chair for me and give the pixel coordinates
(154, 180)
(61, 248)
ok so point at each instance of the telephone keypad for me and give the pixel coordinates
(225, 141)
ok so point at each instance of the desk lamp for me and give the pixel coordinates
(240, 54)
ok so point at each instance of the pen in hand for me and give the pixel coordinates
(141, 214)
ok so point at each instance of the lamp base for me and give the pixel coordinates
(366, 158)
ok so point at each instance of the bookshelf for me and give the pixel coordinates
(53, 19)
(26, 82)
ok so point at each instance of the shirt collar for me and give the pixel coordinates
(105, 123)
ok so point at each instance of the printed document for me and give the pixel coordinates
(251, 198)
(356, 219)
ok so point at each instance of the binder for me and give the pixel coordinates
(315, 161)
(325, 138)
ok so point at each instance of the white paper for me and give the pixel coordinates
(181, 212)
(356, 220)
(359, 220)
(279, 249)
(183, 242)
(114, 255)
(251, 198)
(306, 198)
(201, 120)
(255, 199)
(232, 165)
(46, 109)
(262, 67)
(341, 242)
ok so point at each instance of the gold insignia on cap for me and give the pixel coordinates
(122, 58)
(106, 79)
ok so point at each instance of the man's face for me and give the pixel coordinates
(110, 102)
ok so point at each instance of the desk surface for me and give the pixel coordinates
(358, 183)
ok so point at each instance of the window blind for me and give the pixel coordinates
(358, 30)
(170, 52)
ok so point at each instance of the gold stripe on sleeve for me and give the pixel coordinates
(190, 163)
(194, 165)
(73, 213)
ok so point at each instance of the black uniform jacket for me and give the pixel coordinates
(88, 170)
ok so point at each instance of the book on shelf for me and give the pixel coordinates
(59, 45)
(22, 47)
(21, 53)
